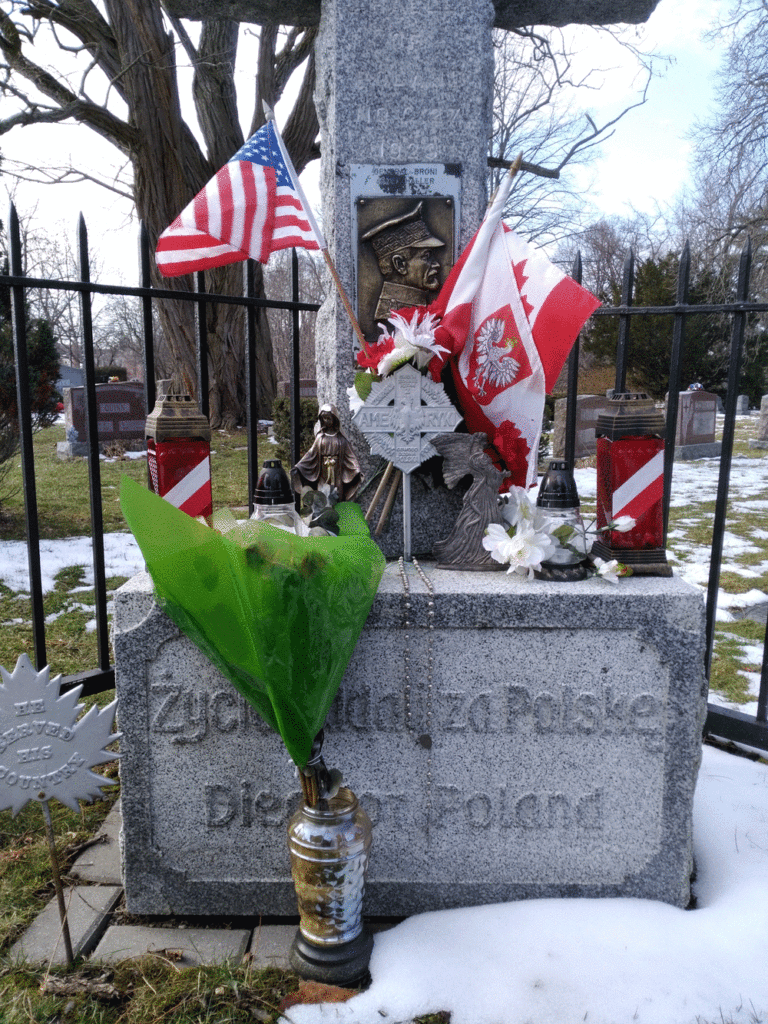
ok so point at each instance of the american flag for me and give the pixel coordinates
(251, 208)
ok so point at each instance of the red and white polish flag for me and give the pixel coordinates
(509, 318)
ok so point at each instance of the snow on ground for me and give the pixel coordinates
(692, 484)
(609, 961)
(121, 558)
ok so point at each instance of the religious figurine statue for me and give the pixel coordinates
(464, 454)
(330, 462)
(404, 249)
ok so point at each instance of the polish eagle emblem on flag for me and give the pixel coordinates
(498, 358)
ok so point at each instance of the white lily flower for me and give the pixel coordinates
(607, 570)
(530, 549)
(525, 551)
(412, 340)
(355, 401)
(623, 524)
(498, 542)
(519, 510)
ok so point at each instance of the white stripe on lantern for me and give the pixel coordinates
(637, 483)
(190, 484)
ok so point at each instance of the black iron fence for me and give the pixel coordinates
(733, 725)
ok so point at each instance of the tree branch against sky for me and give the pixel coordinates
(542, 90)
(117, 68)
(730, 195)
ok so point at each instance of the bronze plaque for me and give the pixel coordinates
(406, 239)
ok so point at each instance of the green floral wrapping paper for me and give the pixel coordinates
(278, 615)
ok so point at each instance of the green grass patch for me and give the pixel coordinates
(729, 661)
(735, 583)
(151, 991)
(63, 491)
(71, 645)
(25, 868)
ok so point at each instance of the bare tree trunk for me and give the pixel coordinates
(164, 140)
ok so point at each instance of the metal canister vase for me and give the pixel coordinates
(329, 846)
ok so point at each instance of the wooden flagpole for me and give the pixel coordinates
(514, 168)
(270, 116)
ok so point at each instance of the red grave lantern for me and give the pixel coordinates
(630, 482)
(179, 452)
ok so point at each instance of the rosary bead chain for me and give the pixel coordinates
(425, 739)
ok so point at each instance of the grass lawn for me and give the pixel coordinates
(64, 511)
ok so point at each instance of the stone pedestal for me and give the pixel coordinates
(388, 96)
(554, 752)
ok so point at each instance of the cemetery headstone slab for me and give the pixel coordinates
(588, 408)
(555, 754)
(760, 440)
(121, 413)
(696, 423)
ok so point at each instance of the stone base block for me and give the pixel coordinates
(66, 450)
(691, 452)
(190, 946)
(88, 910)
(552, 751)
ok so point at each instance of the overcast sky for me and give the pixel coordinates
(645, 163)
(648, 159)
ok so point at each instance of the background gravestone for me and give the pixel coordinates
(760, 440)
(121, 412)
(588, 408)
(696, 424)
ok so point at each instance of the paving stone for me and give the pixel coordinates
(199, 945)
(101, 862)
(271, 943)
(88, 907)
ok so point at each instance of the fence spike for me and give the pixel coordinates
(622, 345)
(24, 407)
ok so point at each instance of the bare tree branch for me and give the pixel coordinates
(63, 176)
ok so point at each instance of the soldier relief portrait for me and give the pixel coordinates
(405, 251)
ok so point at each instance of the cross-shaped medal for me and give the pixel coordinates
(399, 417)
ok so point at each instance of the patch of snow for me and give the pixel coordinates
(121, 558)
(610, 961)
